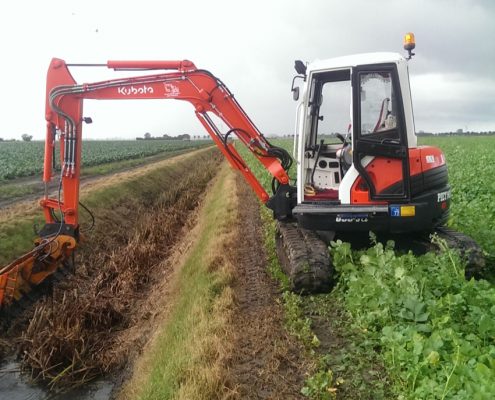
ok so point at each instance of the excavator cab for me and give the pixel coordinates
(360, 168)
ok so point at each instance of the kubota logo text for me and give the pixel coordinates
(134, 90)
(351, 218)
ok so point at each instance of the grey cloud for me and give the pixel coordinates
(251, 46)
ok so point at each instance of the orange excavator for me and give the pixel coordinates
(64, 115)
(376, 179)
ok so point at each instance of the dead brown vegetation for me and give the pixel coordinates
(78, 332)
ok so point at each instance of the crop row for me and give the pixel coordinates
(18, 159)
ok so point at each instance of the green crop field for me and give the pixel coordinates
(18, 159)
(470, 161)
(432, 330)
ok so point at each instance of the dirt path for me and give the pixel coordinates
(266, 363)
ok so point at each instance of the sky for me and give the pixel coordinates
(251, 46)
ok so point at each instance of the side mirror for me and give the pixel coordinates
(300, 68)
(295, 93)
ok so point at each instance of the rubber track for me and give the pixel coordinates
(304, 257)
(468, 249)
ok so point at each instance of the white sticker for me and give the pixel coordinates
(171, 90)
(443, 196)
(430, 159)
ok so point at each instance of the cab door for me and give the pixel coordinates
(380, 148)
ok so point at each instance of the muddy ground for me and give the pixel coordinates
(266, 362)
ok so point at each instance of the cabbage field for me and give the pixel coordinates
(18, 159)
(431, 330)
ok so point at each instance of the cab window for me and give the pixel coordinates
(378, 105)
(329, 105)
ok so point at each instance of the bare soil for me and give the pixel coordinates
(266, 362)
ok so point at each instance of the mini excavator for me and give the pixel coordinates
(375, 178)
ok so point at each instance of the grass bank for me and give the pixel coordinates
(184, 359)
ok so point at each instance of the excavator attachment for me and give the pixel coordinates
(19, 277)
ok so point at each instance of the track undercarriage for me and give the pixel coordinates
(305, 258)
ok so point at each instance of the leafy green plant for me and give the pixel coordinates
(320, 386)
(297, 324)
(436, 330)
(473, 187)
(433, 329)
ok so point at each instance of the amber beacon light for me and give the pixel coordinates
(409, 44)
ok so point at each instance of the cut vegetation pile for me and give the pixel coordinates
(80, 331)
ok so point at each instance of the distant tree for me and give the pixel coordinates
(147, 136)
(26, 137)
(184, 136)
(1, 139)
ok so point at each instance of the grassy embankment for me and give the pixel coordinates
(184, 360)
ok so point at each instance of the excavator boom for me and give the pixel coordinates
(203, 90)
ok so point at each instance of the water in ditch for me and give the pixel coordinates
(15, 386)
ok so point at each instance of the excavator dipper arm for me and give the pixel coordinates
(64, 115)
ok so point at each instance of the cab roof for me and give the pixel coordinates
(355, 60)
